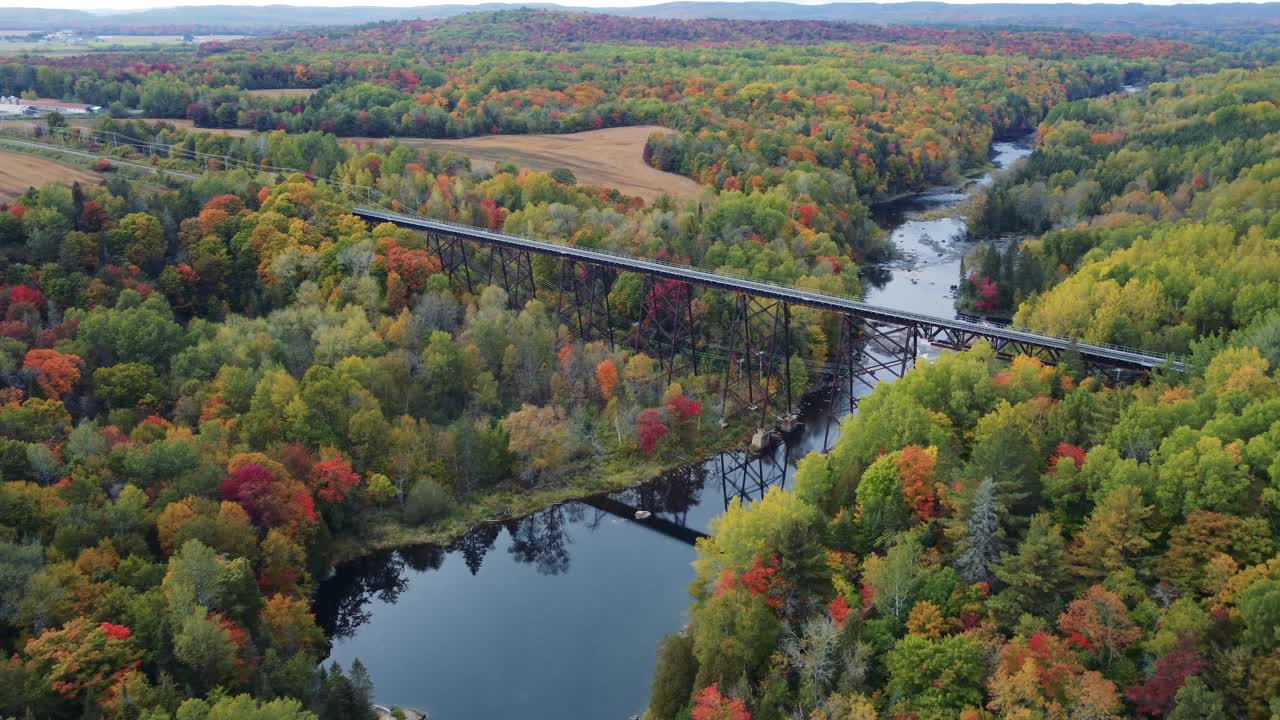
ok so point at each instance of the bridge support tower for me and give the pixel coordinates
(757, 374)
(583, 300)
(666, 327)
(865, 353)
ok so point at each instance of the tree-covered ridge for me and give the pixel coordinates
(549, 30)
(875, 116)
(836, 125)
(1004, 541)
(1158, 214)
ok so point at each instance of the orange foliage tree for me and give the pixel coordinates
(607, 378)
(916, 466)
(1099, 623)
(709, 704)
(83, 657)
(56, 373)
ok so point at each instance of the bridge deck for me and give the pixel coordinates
(1111, 355)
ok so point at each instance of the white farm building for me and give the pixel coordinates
(12, 105)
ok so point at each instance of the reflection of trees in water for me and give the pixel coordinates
(422, 557)
(475, 545)
(340, 602)
(540, 539)
(876, 275)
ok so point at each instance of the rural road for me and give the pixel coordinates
(93, 156)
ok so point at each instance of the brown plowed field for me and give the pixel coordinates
(613, 157)
(19, 172)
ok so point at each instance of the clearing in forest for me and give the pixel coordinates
(613, 157)
(19, 172)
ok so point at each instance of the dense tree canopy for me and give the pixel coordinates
(1155, 214)
(210, 388)
(1140, 586)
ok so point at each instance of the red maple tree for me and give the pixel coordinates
(649, 429)
(1066, 450)
(1155, 696)
(682, 409)
(839, 609)
(269, 501)
(985, 290)
(709, 704)
(332, 480)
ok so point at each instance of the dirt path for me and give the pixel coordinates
(92, 122)
(19, 172)
(42, 147)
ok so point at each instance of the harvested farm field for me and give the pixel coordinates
(613, 157)
(19, 171)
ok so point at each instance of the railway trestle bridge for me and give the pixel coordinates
(755, 357)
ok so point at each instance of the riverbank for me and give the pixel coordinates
(386, 530)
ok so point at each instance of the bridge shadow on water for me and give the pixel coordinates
(679, 505)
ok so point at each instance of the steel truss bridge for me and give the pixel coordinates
(756, 370)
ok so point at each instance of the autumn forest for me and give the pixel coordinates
(217, 384)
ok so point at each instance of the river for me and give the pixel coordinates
(557, 615)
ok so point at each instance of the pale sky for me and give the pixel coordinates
(116, 5)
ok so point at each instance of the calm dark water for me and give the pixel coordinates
(556, 616)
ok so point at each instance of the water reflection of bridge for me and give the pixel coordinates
(748, 475)
(656, 523)
(743, 474)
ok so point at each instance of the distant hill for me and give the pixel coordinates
(1133, 17)
(551, 30)
(43, 19)
(245, 18)
(1059, 15)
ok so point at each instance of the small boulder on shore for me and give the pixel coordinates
(385, 713)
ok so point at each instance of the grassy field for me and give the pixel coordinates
(149, 39)
(19, 171)
(612, 158)
(16, 45)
